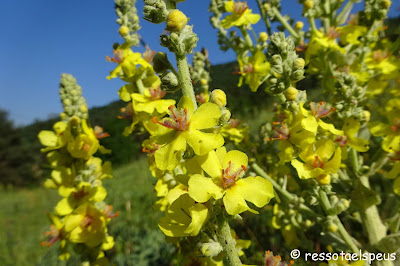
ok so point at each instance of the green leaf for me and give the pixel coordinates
(389, 244)
(364, 197)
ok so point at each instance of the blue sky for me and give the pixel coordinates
(43, 38)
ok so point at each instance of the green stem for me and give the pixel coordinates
(312, 24)
(326, 205)
(225, 239)
(354, 160)
(265, 18)
(287, 195)
(371, 220)
(283, 21)
(342, 17)
(247, 37)
(140, 86)
(376, 166)
(184, 78)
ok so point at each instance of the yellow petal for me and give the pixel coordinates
(206, 116)
(202, 143)
(201, 189)
(257, 190)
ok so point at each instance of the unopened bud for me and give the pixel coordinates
(161, 62)
(308, 4)
(218, 97)
(291, 93)
(169, 82)
(367, 115)
(299, 25)
(324, 179)
(386, 3)
(299, 63)
(176, 20)
(123, 31)
(267, 7)
(226, 115)
(262, 37)
(203, 82)
(211, 249)
(332, 227)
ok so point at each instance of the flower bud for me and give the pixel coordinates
(226, 115)
(386, 3)
(299, 25)
(123, 30)
(262, 37)
(218, 97)
(324, 179)
(267, 7)
(176, 20)
(308, 4)
(161, 62)
(332, 227)
(291, 93)
(367, 115)
(299, 63)
(169, 82)
(211, 249)
(203, 82)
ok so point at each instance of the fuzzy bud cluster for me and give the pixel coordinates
(71, 97)
(129, 21)
(350, 96)
(286, 67)
(155, 11)
(182, 42)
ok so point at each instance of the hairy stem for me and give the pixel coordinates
(225, 239)
(184, 78)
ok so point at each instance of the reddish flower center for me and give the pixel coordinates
(156, 94)
(342, 140)
(240, 7)
(54, 234)
(380, 55)
(332, 33)
(178, 119)
(319, 110)
(127, 112)
(396, 126)
(87, 221)
(230, 175)
(280, 133)
(80, 193)
(234, 123)
(107, 211)
(318, 163)
(117, 58)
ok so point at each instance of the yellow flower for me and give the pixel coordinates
(151, 102)
(86, 224)
(235, 131)
(127, 61)
(350, 128)
(226, 171)
(384, 62)
(254, 71)
(313, 120)
(318, 163)
(184, 217)
(185, 127)
(85, 144)
(241, 15)
(54, 139)
(322, 43)
(350, 33)
(73, 197)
